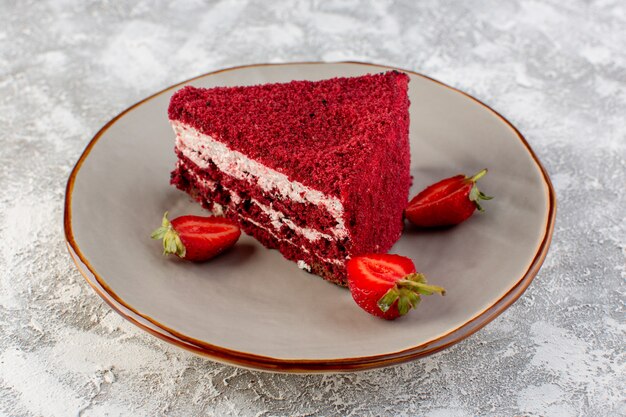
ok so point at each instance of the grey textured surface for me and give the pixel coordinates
(556, 69)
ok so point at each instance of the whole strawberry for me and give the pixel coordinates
(196, 238)
(387, 286)
(447, 202)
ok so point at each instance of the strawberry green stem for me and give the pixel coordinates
(388, 299)
(478, 175)
(421, 287)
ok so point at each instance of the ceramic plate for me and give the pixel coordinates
(252, 308)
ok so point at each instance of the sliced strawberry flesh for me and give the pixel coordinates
(439, 191)
(203, 226)
(208, 231)
(378, 269)
(381, 270)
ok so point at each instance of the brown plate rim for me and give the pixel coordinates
(267, 363)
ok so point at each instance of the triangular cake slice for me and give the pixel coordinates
(318, 170)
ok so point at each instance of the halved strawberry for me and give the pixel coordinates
(197, 238)
(447, 202)
(387, 285)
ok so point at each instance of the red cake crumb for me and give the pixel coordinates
(346, 137)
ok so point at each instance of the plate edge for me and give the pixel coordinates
(271, 364)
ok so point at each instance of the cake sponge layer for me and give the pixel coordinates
(313, 250)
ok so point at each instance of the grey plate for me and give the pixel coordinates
(251, 307)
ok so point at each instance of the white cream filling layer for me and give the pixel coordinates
(303, 265)
(327, 260)
(201, 148)
(218, 210)
(277, 218)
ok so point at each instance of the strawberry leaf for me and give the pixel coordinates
(159, 233)
(482, 196)
(475, 194)
(165, 222)
(403, 305)
(413, 298)
(171, 239)
(407, 293)
(417, 277)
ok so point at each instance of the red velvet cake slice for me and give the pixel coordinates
(318, 170)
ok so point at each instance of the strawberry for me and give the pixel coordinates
(447, 202)
(387, 286)
(196, 238)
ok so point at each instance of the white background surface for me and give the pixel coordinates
(556, 70)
